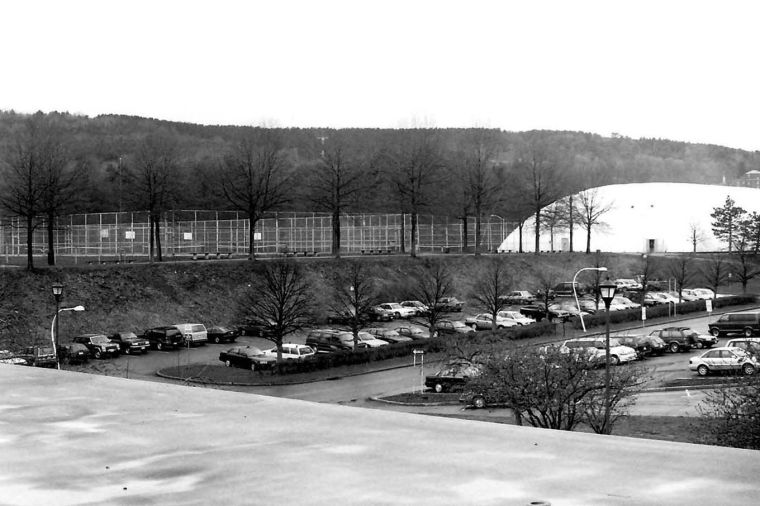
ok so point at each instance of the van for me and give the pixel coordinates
(193, 333)
(746, 323)
(566, 289)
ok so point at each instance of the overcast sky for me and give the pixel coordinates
(682, 70)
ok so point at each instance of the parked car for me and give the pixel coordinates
(484, 321)
(516, 317)
(452, 327)
(538, 312)
(656, 344)
(255, 329)
(595, 350)
(129, 342)
(450, 305)
(39, 356)
(195, 334)
(379, 314)
(702, 293)
(397, 310)
(520, 297)
(73, 353)
(413, 332)
(222, 334)
(247, 357)
(638, 343)
(99, 345)
(685, 297)
(749, 344)
(388, 335)
(364, 338)
(627, 284)
(702, 340)
(724, 359)
(292, 351)
(452, 376)
(625, 302)
(8, 357)
(419, 308)
(676, 339)
(565, 289)
(332, 340)
(568, 307)
(162, 338)
(746, 323)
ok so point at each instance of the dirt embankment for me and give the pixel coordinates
(139, 296)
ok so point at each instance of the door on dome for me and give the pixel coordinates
(651, 245)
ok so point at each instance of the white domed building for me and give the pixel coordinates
(645, 218)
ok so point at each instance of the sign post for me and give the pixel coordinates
(709, 308)
(643, 316)
(421, 353)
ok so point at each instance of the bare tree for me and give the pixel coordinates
(150, 177)
(415, 165)
(625, 384)
(553, 218)
(715, 272)
(681, 269)
(591, 208)
(696, 235)
(433, 282)
(354, 294)
(546, 279)
(539, 178)
(280, 301)
(338, 178)
(255, 177)
(34, 178)
(491, 286)
(734, 409)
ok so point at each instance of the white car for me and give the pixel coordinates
(397, 310)
(418, 307)
(724, 359)
(365, 338)
(595, 349)
(484, 321)
(625, 302)
(630, 284)
(700, 293)
(291, 351)
(516, 317)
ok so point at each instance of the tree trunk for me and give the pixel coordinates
(151, 233)
(588, 240)
(413, 235)
(158, 238)
(251, 235)
(336, 233)
(538, 231)
(477, 234)
(51, 239)
(520, 231)
(402, 249)
(572, 223)
(29, 242)
(465, 238)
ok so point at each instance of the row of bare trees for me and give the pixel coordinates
(47, 171)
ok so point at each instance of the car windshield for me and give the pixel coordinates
(458, 323)
(220, 329)
(363, 336)
(99, 339)
(128, 335)
(513, 315)
(251, 351)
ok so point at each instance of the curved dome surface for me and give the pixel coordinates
(646, 217)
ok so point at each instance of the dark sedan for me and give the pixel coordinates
(247, 357)
(129, 343)
(222, 334)
(452, 327)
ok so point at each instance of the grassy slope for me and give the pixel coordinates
(140, 296)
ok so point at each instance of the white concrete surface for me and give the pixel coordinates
(70, 438)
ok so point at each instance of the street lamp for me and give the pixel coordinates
(54, 330)
(57, 293)
(575, 293)
(607, 293)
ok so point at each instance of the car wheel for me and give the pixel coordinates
(748, 369)
(228, 363)
(700, 345)
(614, 360)
(97, 354)
(747, 332)
(674, 347)
(715, 332)
(702, 370)
(253, 366)
(474, 326)
(438, 388)
(479, 402)
(217, 340)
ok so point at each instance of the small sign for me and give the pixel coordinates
(188, 236)
(104, 233)
(708, 305)
(418, 352)
(257, 236)
(643, 313)
(129, 234)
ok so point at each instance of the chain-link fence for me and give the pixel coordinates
(225, 233)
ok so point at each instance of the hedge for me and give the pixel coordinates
(631, 315)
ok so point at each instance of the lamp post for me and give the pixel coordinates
(54, 330)
(607, 293)
(57, 293)
(575, 293)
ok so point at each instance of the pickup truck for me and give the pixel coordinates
(39, 356)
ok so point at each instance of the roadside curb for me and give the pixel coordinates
(400, 403)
